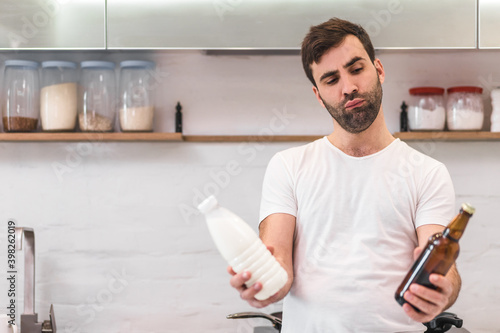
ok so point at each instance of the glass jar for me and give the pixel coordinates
(58, 97)
(465, 111)
(97, 97)
(426, 111)
(136, 96)
(20, 96)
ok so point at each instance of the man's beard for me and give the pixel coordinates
(358, 119)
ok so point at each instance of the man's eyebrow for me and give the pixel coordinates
(336, 72)
(328, 74)
(352, 62)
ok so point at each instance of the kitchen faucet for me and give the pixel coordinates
(29, 318)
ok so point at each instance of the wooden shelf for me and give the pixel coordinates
(178, 137)
(251, 138)
(151, 137)
(448, 136)
(89, 136)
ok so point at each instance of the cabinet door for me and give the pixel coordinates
(489, 24)
(282, 24)
(52, 24)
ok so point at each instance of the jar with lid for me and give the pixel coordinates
(136, 96)
(97, 96)
(58, 97)
(20, 96)
(464, 108)
(426, 110)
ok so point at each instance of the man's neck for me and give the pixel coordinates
(370, 141)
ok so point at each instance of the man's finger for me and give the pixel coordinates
(230, 270)
(238, 280)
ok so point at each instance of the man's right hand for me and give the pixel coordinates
(276, 231)
(248, 294)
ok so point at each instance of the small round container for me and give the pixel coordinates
(20, 96)
(58, 97)
(464, 108)
(136, 107)
(97, 96)
(426, 109)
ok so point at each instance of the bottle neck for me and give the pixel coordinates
(456, 228)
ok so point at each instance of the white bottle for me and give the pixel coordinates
(242, 248)
(495, 112)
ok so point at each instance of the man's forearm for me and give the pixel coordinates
(456, 281)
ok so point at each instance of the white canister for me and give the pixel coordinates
(495, 113)
(464, 108)
(426, 111)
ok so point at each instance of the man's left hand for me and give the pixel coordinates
(430, 302)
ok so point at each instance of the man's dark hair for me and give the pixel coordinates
(330, 34)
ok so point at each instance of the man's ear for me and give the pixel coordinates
(316, 92)
(380, 70)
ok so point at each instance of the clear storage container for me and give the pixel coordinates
(58, 97)
(97, 97)
(465, 111)
(426, 111)
(136, 106)
(20, 96)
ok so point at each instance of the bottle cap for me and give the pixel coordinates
(404, 106)
(466, 207)
(207, 205)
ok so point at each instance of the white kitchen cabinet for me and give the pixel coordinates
(281, 24)
(52, 24)
(237, 24)
(489, 24)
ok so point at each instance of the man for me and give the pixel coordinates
(347, 214)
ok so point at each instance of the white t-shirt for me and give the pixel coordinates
(356, 220)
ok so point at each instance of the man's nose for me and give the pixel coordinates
(349, 86)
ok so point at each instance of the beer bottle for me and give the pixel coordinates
(439, 255)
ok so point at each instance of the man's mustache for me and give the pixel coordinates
(351, 96)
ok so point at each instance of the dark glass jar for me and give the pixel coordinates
(21, 108)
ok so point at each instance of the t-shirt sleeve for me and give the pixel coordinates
(436, 204)
(278, 190)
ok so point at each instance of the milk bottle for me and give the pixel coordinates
(243, 250)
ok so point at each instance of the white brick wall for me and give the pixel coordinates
(119, 247)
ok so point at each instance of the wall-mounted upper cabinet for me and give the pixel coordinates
(425, 24)
(489, 24)
(281, 24)
(52, 24)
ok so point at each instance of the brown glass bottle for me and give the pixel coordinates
(439, 254)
